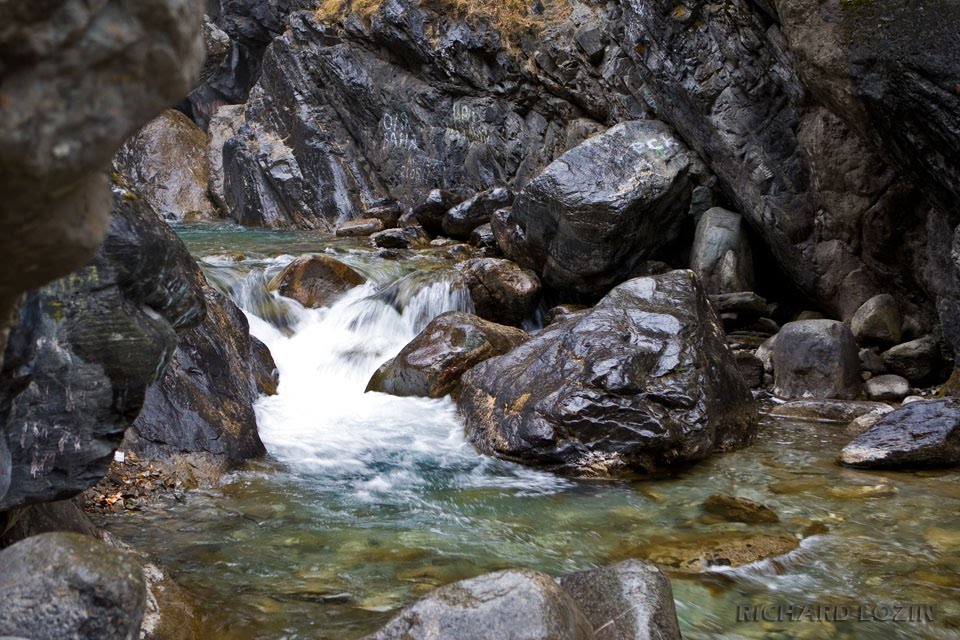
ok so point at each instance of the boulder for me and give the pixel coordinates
(387, 211)
(359, 228)
(887, 388)
(73, 91)
(501, 291)
(816, 359)
(204, 400)
(431, 210)
(166, 163)
(460, 221)
(861, 423)
(86, 348)
(878, 322)
(737, 509)
(71, 587)
(871, 361)
(432, 363)
(721, 253)
(917, 360)
(631, 600)
(745, 304)
(642, 381)
(508, 605)
(405, 238)
(483, 238)
(918, 435)
(316, 280)
(603, 207)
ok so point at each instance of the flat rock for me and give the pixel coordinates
(695, 553)
(737, 509)
(826, 410)
(360, 228)
(920, 434)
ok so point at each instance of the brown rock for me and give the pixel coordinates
(315, 281)
(736, 509)
(697, 553)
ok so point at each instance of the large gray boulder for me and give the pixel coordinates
(507, 605)
(70, 587)
(631, 600)
(917, 361)
(86, 348)
(602, 208)
(166, 163)
(77, 79)
(918, 435)
(643, 381)
(878, 322)
(816, 359)
(721, 253)
(432, 363)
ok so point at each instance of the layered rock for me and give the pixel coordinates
(642, 381)
(166, 163)
(86, 348)
(432, 363)
(599, 210)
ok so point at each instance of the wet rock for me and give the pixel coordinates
(642, 381)
(204, 400)
(877, 321)
(501, 291)
(595, 213)
(887, 388)
(266, 378)
(316, 281)
(512, 605)
(386, 211)
(861, 423)
(921, 434)
(746, 304)
(166, 163)
(224, 124)
(816, 359)
(916, 360)
(69, 586)
(430, 212)
(750, 368)
(871, 361)
(432, 363)
(764, 354)
(631, 600)
(359, 228)
(483, 238)
(72, 93)
(695, 553)
(563, 312)
(737, 509)
(721, 253)
(86, 348)
(826, 410)
(406, 238)
(460, 221)
(863, 491)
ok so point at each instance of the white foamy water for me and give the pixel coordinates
(374, 446)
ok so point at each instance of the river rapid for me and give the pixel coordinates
(367, 501)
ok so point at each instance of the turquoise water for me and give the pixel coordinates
(368, 501)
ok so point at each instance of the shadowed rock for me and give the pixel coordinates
(918, 435)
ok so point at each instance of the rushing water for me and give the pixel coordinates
(368, 501)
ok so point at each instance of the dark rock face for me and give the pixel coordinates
(462, 219)
(602, 208)
(511, 605)
(166, 163)
(916, 360)
(816, 359)
(73, 91)
(501, 291)
(432, 364)
(843, 224)
(631, 600)
(315, 281)
(642, 381)
(204, 400)
(86, 348)
(403, 103)
(430, 212)
(70, 586)
(920, 434)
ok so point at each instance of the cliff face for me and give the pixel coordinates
(835, 139)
